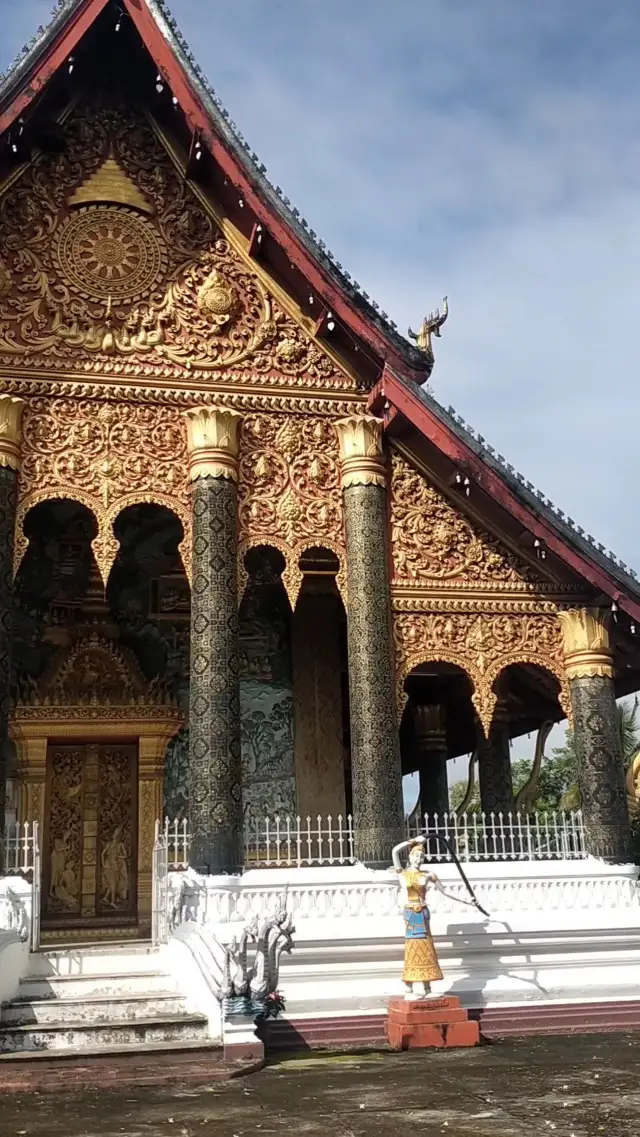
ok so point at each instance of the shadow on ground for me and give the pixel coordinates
(583, 1086)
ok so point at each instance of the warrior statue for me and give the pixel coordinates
(420, 959)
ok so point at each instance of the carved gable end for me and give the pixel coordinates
(435, 546)
(110, 264)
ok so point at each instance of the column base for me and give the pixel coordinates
(216, 858)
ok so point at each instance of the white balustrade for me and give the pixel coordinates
(288, 842)
(20, 848)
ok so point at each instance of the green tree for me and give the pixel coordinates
(557, 786)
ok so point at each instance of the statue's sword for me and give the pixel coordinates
(454, 857)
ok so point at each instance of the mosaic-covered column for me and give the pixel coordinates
(214, 773)
(10, 451)
(375, 748)
(589, 665)
(494, 766)
(430, 750)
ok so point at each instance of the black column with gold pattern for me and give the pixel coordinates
(589, 666)
(494, 766)
(430, 751)
(214, 775)
(10, 442)
(375, 748)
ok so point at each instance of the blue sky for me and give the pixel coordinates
(488, 151)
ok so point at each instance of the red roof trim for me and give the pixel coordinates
(403, 402)
(55, 54)
(176, 77)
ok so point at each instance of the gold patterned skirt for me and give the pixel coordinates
(420, 959)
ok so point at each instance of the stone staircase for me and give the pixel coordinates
(93, 1001)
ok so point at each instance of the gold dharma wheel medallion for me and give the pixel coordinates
(106, 252)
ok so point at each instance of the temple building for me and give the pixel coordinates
(250, 567)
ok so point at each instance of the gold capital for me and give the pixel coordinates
(11, 431)
(212, 441)
(585, 634)
(360, 439)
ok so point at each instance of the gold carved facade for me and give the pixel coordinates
(462, 597)
(125, 298)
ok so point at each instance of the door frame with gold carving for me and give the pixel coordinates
(89, 801)
(59, 712)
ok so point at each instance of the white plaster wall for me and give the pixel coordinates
(15, 926)
(557, 931)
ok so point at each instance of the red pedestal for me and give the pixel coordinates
(416, 1024)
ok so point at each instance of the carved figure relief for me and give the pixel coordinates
(118, 777)
(289, 490)
(106, 456)
(482, 645)
(435, 544)
(63, 893)
(109, 262)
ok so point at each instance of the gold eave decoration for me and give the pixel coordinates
(110, 185)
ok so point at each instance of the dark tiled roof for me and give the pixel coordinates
(531, 497)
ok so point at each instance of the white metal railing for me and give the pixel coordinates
(20, 848)
(280, 842)
(503, 836)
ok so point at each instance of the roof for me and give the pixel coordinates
(68, 22)
(400, 402)
(407, 400)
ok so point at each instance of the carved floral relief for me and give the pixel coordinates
(106, 456)
(110, 264)
(289, 490)
(435, 544)
(482, 645)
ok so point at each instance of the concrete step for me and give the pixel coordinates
(183, 1064)
(102, 1008)
(85, 985)
(84, 1035)
(94, 959)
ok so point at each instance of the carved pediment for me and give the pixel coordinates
(435, 544)
(109, 262)
(94, 672)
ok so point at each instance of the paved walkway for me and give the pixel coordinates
(583, 1086)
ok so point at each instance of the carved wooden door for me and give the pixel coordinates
(90, 839)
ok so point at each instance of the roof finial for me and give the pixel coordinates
(429, 327)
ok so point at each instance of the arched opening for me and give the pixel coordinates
(266, 690)
(528, 703)
(150, 600)
(58, 591)
(321, 694)
(438, 727)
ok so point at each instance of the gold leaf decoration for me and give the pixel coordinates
(110, 264)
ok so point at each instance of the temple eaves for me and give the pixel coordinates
(393, 395)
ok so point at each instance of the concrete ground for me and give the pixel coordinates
(580, 1086)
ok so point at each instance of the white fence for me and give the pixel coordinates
(282, 842)
(20, 848)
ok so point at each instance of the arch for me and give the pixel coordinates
(340, 575)
(291, 574)
(553, 667)
(41, 497)
(419, 658)
(182, 511)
